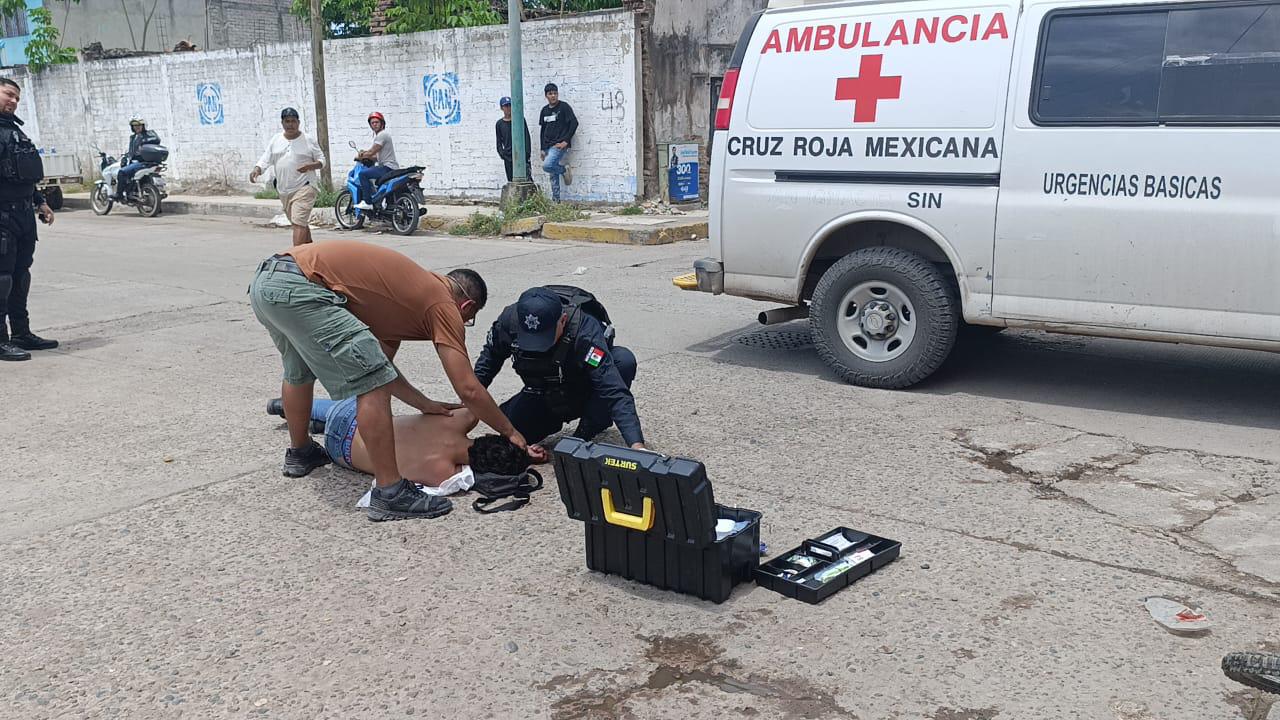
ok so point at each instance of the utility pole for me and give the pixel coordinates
(317, 79)
(521, 186)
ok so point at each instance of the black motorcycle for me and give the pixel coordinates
(147, 189)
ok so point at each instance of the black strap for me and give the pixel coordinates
(519, 495)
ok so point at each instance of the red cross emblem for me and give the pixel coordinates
(869, 88)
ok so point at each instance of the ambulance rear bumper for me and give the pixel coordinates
(710, 276)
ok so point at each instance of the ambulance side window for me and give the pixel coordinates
(1222, 64)
(1100, 68)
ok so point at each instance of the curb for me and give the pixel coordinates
(177, 207)
(320, 217)
(619, 234)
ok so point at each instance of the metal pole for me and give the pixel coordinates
(519, 153)
(317, 78)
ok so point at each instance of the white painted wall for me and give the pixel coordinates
(592, 58)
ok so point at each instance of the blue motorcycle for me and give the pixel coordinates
(397, 199)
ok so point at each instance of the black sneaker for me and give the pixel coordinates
(12, 353)
(300, 462)
(275, 407)
(31, 341)
(405, 501)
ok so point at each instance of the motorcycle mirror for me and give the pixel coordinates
(351, 143)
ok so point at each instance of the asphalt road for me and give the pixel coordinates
(154, 563)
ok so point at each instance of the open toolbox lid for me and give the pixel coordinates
(637, 490)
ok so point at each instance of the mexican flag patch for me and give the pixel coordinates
(594, 357)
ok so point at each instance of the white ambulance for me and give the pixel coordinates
(899, 170)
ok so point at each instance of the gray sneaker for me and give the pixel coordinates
(299, 463)
(405, 501)
(568, 175)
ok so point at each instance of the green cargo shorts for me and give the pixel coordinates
(318, 338)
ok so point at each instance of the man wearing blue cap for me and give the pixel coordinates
(561, 344)
(503, 131)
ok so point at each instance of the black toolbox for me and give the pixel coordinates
(652, 519)
(820, 568)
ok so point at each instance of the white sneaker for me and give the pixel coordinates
(363, 206)
(568, 175)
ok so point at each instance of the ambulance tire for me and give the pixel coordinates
(932, 301)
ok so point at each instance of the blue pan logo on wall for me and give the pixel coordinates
(209, 95)
(442, 101)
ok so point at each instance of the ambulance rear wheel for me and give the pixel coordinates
(883, 317)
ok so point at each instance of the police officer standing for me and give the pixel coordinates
(563, 355)
(20, 170)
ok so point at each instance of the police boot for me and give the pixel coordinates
(31, 341)
(11, 352)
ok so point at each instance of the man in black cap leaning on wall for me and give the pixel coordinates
(564, 353)
(20, 170)
(558, 125)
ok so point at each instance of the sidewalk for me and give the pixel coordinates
(440, 217)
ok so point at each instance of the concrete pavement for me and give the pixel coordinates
(155, 564)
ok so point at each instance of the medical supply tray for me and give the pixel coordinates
(652, 519)
(800, 580)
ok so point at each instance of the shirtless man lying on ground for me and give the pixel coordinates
(430, 449)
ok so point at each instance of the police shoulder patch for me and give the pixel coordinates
(594, 356)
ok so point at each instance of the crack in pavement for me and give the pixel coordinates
(144, 314)
(1272, 598)
(1044, 486)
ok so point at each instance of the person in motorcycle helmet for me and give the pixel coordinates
(131, 162)
(383, 154)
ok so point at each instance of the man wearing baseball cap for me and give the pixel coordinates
(294, 159)
(503, 131)
(562, 348)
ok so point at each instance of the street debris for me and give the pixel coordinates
(1177, 617)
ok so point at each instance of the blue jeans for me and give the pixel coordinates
(125, 176)
(555, 169)
(339, 418)
(368, 178)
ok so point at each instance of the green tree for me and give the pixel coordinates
(350, 18)
(44, 48)
(418, 15)
(342, 18)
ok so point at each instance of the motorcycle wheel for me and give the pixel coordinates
(344, 212)
(148, 200)
(101, 200)
(404, 215)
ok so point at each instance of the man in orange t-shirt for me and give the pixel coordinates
(337, 312)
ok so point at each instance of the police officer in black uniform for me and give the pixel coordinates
(20, 170)
(569, 370)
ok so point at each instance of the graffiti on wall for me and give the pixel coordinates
(441, 99)
(614, 105)
(209, 97)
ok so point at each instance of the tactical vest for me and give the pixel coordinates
(544, 373)
(20, 161)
